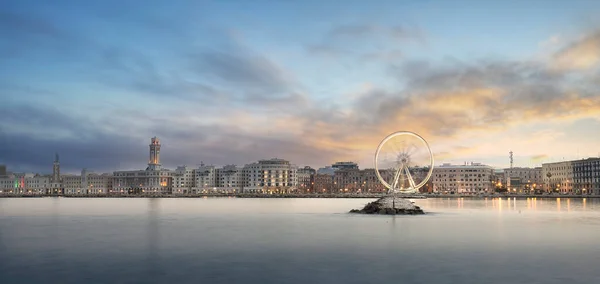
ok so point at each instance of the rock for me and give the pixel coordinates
(390, 206)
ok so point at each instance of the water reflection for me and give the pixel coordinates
(153, 260)
(513, 204)
(463, 240)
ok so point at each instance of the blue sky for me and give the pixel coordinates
(310, 81)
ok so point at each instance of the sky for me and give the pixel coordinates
(313, 82)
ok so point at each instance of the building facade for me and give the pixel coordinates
(469, 178)
(229, 179)
(153, 180)
(573, 177)
(184, 181)
(269, 176)
(524, 179)
(206, 179)
(586, 176)
(558, 177)
(306, 179)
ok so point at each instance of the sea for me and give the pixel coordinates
(305, 240)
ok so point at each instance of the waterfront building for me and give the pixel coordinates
(523, 179)
(586, 176)
(87, 183)
(346, 179)
(97, 183)
(558, 176)
(71, 184)
(15, 183)
(306, 179)
(467, 178)
(184, 180)
(3, 172)
(37, 184)
(323, 183)
(206, 179)
(324, 180)
(573, 177)
(229, 179)
(144, 181)
(499, 178)
(270, 176)
(153, 180)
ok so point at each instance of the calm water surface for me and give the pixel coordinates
(228, 240)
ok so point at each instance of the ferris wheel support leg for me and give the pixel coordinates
(411, 181)
(396, 178)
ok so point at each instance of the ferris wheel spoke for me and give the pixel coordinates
(403, 148)
(412, 149)
(395, 148)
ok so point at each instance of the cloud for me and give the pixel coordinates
(26, 34)
(244, 71)
(362, 30)
(385, 56)
(119, 68)
(539, 158)
(551, 41)
(327, 51)
(579, 55)
(18, 26)
(366, 42)
(454, 100)
(30, 135)
(103, 145)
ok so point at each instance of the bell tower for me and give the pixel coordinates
(56, 170)
(154, 163)
(55, 183)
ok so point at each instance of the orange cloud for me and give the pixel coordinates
(580, 55)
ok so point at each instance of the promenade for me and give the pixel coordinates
(293, 195)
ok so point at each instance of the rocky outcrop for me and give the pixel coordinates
(390, 206)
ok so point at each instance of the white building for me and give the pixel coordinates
(15, 183)
(72, 184)
(152, 180)
(229, 179)
(269, 176)
(206, 179)
(87, 183)
(468, 178)
(147, 181)
(37, 184)
(184, 180)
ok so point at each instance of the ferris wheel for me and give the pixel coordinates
(403, 162)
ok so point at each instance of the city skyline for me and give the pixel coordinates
(231, 82)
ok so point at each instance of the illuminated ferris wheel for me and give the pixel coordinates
(403, 162)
